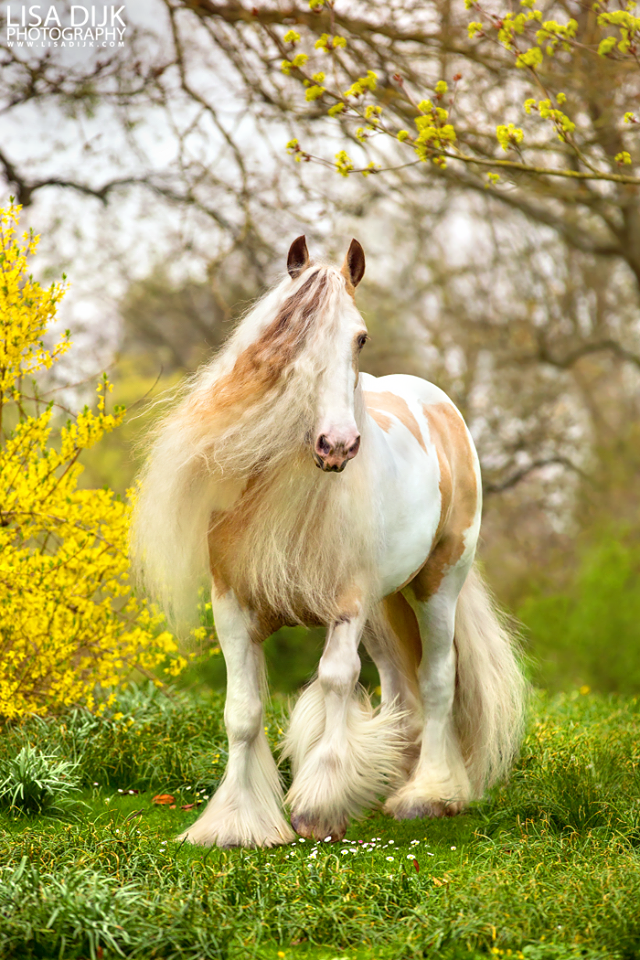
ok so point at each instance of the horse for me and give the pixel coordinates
(313, 493)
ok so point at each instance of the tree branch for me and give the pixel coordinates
(569, 359)
(519, 475)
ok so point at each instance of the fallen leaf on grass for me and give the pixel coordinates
(416, 865)
(164, 799)
(190, 806)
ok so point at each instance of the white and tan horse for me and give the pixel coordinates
(317, 494)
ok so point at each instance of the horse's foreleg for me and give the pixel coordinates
(343, 755)
(439, 784)
(246, 809)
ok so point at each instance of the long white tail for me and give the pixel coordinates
(490, 688)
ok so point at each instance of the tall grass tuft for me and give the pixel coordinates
(34, 782)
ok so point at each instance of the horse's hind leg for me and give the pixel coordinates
(439, 784)
(343, 755)
(392, 639)
(246, 809)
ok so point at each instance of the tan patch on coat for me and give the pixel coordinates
(383, 421)
(386, 402)
(459, 495)
(402, 621)
(259, 367)
(350, 603)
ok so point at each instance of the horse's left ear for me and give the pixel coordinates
(298, 259)
(353, 266)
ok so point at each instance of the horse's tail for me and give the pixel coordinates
(490, 687)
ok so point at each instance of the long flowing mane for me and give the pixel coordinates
(231, 464)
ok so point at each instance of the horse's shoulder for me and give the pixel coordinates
(390, 402)
(420, 405)
(414, 390)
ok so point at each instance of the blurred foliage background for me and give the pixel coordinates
(160, 179)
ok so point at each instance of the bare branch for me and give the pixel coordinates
(567, 361)
(519, 475)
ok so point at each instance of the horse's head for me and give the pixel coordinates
(335, 438)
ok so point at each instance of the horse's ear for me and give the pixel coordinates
(353, 266)
(298, 259)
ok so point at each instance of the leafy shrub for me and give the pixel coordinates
(68, 619)
(36, 782)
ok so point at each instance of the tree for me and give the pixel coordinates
(537, 328)
(426, 77)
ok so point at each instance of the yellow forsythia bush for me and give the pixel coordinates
(68, 619)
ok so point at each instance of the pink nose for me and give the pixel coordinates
(333, 452)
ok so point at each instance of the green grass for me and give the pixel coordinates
(547, 867)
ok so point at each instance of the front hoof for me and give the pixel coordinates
(318, 828)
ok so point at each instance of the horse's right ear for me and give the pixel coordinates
(298, 259)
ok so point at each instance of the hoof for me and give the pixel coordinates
(215, 832)
(318, 828)
(226, 842)
(428, 809)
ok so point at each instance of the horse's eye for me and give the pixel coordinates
(362, 339)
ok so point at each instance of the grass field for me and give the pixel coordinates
(547, 867)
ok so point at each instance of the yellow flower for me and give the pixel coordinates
(68, 619)
(508, 135)
(314, 92)
(369, 82)
(344, 164)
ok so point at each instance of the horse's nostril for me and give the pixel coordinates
(353, 449)
(323, 445)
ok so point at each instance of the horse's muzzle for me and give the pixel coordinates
(333, 458)
(330, 468)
